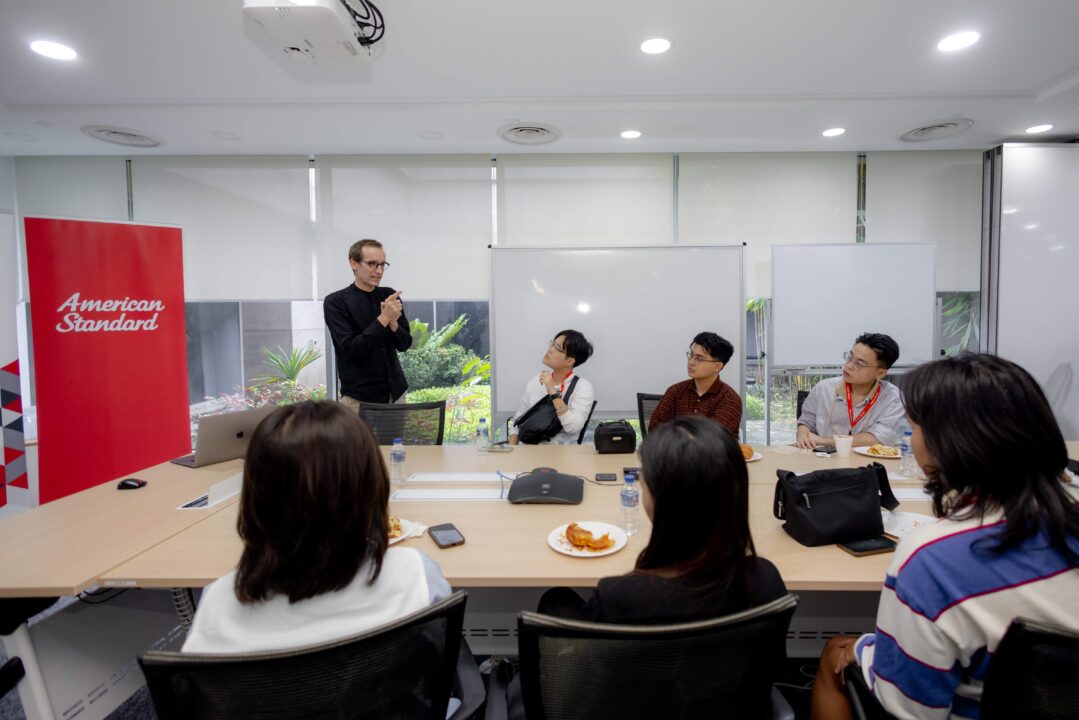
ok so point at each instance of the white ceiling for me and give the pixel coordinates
(746, 75)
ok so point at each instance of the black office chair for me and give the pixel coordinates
(646, 405)
(404, 670)
(584, 428)
(414, 423)
(1034, 675)
(802, 395)
(719, 668)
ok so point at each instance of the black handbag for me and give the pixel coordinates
(833, 506)
(615, 436)
(540, 422)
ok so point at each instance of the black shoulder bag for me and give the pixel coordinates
(833, 506)
(540, 422)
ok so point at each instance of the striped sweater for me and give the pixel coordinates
(948, 598)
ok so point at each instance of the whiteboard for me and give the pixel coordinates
(640, 307)
(1037, 292)
(824, 296)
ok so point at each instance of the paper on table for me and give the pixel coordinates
(900, 524)
(448, 494)
(476, 477)
(916, 493)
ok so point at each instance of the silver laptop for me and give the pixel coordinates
(224, 437)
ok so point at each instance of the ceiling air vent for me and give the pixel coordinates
(937, 130)
(529, 134)
(120, 136)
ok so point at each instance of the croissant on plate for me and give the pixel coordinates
(579, 537)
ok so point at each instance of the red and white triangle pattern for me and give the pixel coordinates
(14, 457)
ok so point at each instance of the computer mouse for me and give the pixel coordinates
(130, 484)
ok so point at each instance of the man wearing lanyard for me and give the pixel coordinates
(859, 402)
(567, 352)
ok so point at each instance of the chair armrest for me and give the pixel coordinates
(468, 687)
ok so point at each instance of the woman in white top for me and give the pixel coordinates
(314, 520)
(567, 352)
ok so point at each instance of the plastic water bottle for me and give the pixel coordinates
(397, 462)
(631, 504)
(483, 436)
(907, 463)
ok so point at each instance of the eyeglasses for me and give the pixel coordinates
(849, 359)
(553, 346)
(698, 359)
(375, 264)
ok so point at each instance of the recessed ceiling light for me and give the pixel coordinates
(958, 41)
(655, 46)
(834, 132)
(53, 50)
(1034, 130)
(1010, 210)
(222, 135)
(631, 134)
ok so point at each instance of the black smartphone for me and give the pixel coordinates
(829, 449)
(635, 470)
(606, 477)
(446, 535)
(870, 546)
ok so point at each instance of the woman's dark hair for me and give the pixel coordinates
(887, 350)
(719, 348)
(996, 447)
(697, 477)
(313, 509)
(577, 346)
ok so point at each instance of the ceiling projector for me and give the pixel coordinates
(314, 31)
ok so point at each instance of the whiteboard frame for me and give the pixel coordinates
(740, 349)
(899, 366)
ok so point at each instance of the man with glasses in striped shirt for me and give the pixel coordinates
(859, 402)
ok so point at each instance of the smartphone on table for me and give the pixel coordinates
(869, 546)
(446, 535)
(607, 477)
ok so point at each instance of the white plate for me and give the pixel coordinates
(558, 542)
(756, 456)
(864, 450)
(407, 529)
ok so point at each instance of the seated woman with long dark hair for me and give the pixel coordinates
(699, 562)
(1006, 544)
(316, 564)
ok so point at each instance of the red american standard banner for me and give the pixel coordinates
(110, 352)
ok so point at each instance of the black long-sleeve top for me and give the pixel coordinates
(367, 363)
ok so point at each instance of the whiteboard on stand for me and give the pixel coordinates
(639, 306)
(824, 296)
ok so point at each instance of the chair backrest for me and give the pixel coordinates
(802, 395)
(1034, 673)
(646, 405)
(584, 428)
(863, 704)
(404, 669)
(415, 423)
(717, 668)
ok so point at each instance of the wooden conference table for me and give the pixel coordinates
(506, 545)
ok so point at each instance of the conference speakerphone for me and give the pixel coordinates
(547, 486)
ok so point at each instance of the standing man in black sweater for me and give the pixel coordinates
(368, 328)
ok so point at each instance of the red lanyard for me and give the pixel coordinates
(850, 407)
(562, 387)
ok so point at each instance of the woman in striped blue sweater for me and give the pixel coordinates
(1006, 544)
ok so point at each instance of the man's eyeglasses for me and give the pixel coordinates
(375, 264)
(697, 359)
(849, 359)
(553, 346)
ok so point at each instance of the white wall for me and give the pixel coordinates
(929, 197)
(433, 215)
(7, 185)
(765, 199)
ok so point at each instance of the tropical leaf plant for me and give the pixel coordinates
(288, 363)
